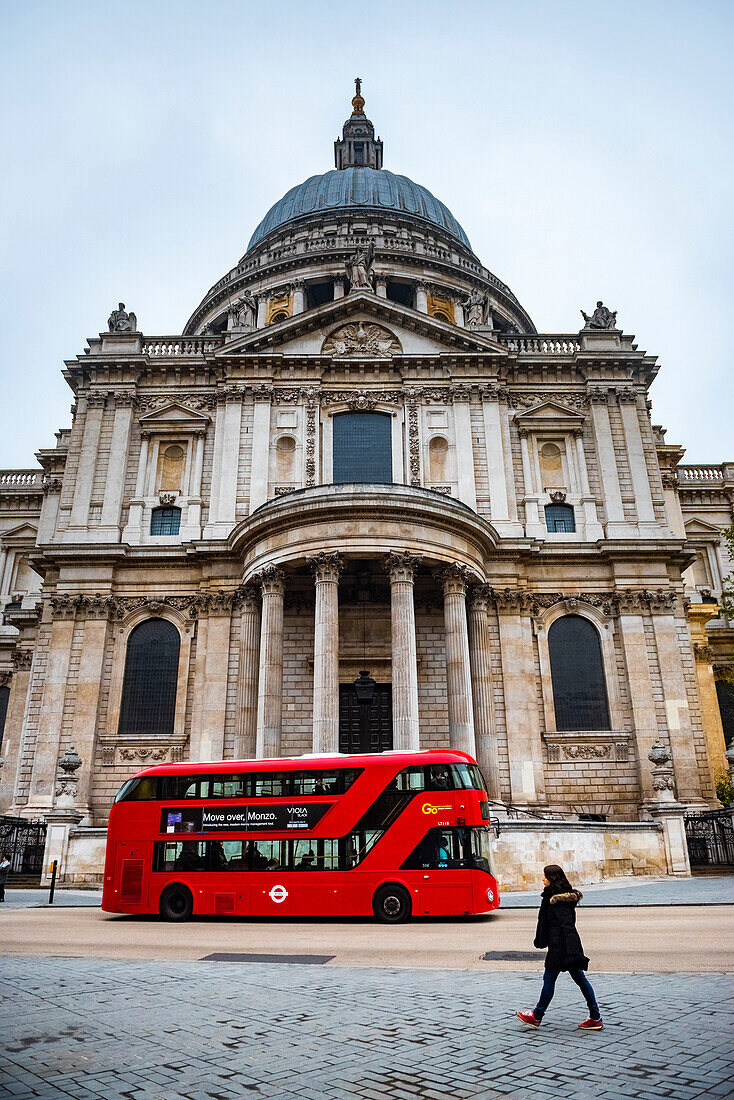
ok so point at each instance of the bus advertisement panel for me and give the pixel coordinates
(392, 834)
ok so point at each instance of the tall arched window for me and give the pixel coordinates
(362, 447)
(149, 685)
(577, 673)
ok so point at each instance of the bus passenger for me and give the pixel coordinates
(189, 858)
(306, 862)
(217, 859)
(439, 779)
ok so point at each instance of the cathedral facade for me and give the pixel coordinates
(360, 503)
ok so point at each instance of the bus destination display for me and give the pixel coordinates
(278, 817)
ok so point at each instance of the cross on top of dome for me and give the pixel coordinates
(358, 147)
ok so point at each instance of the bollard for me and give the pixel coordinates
(54, 865)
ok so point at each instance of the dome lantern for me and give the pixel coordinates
(358, 147)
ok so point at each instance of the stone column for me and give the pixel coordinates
(326, 570)
(262, 310)
(48, 736)
(481, 686)
(381, 286)
(467, 491)
(223, 493)
(421, 297)
(246, 741)
(270, 681)
(109, 528)
(677, 706)
(644, 712)
(299, 297)
(212, 662)
(86, 702)
(698, 615)
(592, 528)
(533, 527)
(459, 312)
(339, 288)
(79, 516)
(12, 737)
(401, 567)
(524, 745)
(458, 672)
(648, 524)
(191, 529)
(134, 528)
(616, 524)
(260, 449)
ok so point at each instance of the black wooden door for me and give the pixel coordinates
(365, 729)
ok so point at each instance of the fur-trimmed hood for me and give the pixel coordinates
(573, 898)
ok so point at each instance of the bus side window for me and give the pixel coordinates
(271, 784)
(409, 779)
(439, 778)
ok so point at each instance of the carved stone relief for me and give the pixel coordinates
(361, 340)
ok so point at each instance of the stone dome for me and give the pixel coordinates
(359, 188)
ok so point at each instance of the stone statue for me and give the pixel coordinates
(600, 318)
(243, 312)
(359, 268)
(120, 321)
(475, 308)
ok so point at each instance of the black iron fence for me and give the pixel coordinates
(710, 839)
(24, 843)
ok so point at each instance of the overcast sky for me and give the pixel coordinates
(585, 148)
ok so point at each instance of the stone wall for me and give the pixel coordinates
(588, 852)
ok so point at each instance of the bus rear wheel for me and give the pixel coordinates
(176, 902)
(391, 904)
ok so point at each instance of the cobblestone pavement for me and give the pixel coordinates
(99, 1030)
(698, 890)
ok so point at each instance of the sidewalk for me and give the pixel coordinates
(34, 899)
(699, 890)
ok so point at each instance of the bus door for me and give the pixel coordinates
(445, 860)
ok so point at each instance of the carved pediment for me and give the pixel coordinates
(174, 417)
(361, 340)
(700, 528)
(392, 330)
(21, 537)
(550, 415)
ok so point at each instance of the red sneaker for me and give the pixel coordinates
(591, 1025)
(529, 1018)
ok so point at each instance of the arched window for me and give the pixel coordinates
(560, 517)
(165, 521)
(148, 701)
(577, 674)
(4, 696)
(362, 447)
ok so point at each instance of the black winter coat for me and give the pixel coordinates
(557, 931)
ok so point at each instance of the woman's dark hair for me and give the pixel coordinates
(557, 878)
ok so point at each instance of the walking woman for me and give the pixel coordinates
(557, 931)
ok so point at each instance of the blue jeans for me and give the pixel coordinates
(549, 988)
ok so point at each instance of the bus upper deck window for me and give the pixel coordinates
(138, 790)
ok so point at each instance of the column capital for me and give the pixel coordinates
(480, 596)
(247, 598)
(271, 581)
(326, 566)
(401, 565)
(455, 578)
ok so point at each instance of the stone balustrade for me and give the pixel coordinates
(180, 346)
(20, 478)
(541, 344)
(704, 475)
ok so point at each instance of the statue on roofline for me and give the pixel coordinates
(359, 268)
(475, 309)
(243, 312)
(120, 321)
(601, 317)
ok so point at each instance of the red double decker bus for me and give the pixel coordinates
(392, 834)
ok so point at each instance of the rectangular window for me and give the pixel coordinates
(359, 152)
(362, 448)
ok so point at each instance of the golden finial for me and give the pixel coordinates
(358, 102)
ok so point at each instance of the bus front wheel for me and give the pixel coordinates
(176, 902)
(391, 904)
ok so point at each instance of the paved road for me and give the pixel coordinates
(691, 938)
(108, 1030)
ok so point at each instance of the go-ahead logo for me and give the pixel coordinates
(428, 808)
(278, 894)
